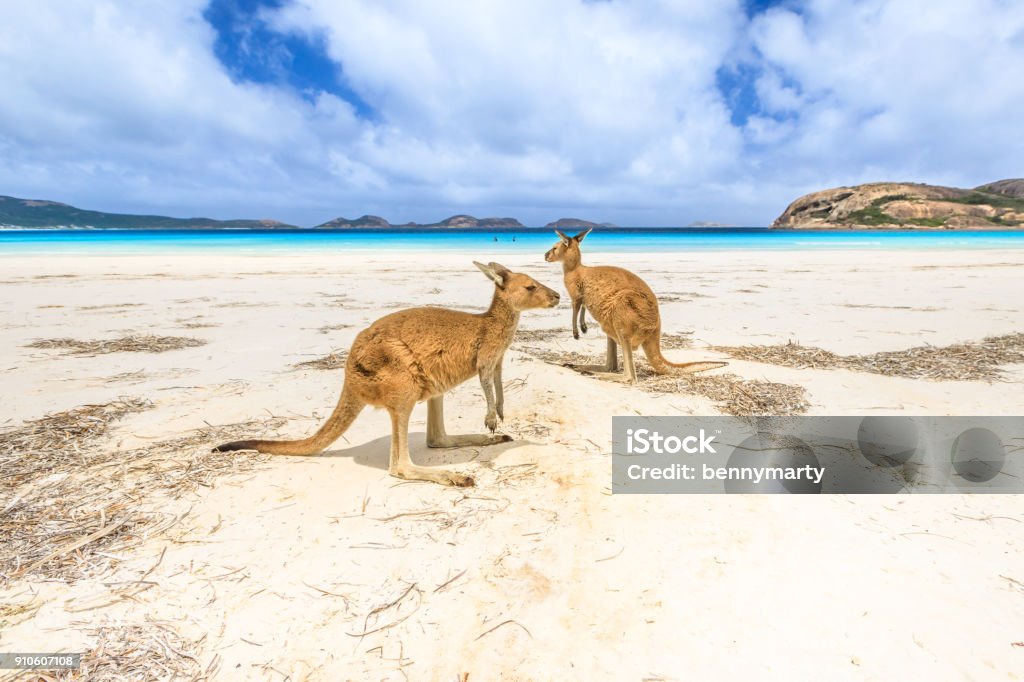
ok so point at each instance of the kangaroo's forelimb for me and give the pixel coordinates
(487, 383)
(577, 312)
(499, 392)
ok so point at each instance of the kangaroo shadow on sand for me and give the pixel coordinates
(377, 452)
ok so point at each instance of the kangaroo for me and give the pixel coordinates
(418, 355)
(622, 304)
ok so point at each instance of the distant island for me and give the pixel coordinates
(16, 212)
(902, 205)
(575, 224)
(456, 221)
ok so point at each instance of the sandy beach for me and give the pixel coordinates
(326, 568)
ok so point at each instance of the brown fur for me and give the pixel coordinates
(622, 304)
(418, 355)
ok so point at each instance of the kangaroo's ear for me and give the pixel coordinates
(582, 235)
(561, 235)
(500, 269)
(492, 275)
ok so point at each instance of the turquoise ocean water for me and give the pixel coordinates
(513, 240)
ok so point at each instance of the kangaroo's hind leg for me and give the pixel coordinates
(437, 437)
(401, 463)
(611, 362)
(627, 358)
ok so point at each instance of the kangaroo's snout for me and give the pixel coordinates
(553, 297)
(550, 255)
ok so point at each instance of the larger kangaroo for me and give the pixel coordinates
(419, 354)
(622, 304)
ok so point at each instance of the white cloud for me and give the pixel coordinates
(125, 105)
(523, 102)
(911, 89)
(534, 108)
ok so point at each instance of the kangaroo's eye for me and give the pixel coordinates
(532, 287)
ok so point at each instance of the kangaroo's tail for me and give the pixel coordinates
(652, 349)
(346, 411)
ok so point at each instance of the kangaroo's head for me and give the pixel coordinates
(567, 249)
(520, 291)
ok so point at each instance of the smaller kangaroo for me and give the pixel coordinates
(622, 304)
(419, 354)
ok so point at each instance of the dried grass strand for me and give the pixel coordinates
(136, 343)
(70, 498)
(971, 361)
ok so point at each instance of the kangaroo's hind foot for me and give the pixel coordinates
(437, 437)
(611, 362)
(401, 465)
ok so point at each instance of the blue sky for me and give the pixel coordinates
(659, 112)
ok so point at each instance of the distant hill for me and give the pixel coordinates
(1009, 188)
(362, 221)
(909, 205)
(456, 221)
(16, 212)
(575, 223)
(469, 221)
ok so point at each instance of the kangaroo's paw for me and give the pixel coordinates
(576, 335)
(491, 422)
(583, 327)
(458, 480)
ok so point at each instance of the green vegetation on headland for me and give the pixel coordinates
(892, 205)
(16, 212)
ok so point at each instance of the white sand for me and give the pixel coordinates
(578, 583)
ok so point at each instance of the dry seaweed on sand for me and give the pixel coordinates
(330, 361)
(554, 356)
(150, 651)
(69, 496)
(972, 361)
(680, 341)
(535, 335)
(39, 447)
(137, 343)
(328, 328)
(733, 394)
(110, 306)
